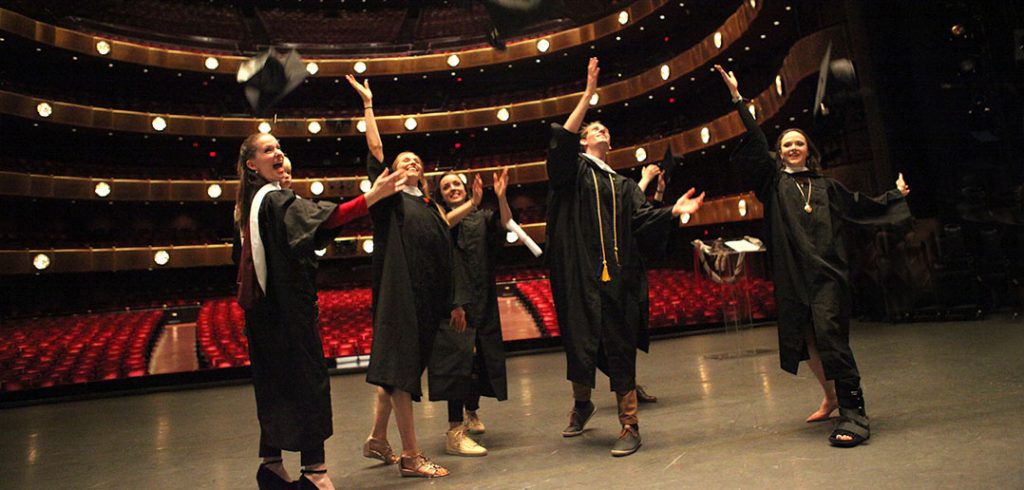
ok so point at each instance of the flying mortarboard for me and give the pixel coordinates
(269, 77)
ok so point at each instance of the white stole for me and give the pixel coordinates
(259, 254)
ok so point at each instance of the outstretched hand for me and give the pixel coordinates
(363, 89)
(687, 204)
(501, 182)
(902, 185)
(478, 190)
(730, 81)
(387, 184)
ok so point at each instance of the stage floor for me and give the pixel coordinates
(944, 400)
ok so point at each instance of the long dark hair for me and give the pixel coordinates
(813, 156)
(249, 181)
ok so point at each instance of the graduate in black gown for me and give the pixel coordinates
(414, 293)
(805, 213)
(471, 363)
(277, 290)
(598, 222)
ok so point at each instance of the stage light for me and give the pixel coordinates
(102, 189)
(957, 30)
(368, 246)
(44, 109)
(665, 72)
(314, 127)
(103, 48)
(705, 134)
(365, 185)
(453, 60)
(214, 191)
(503, 114)
(684, 218)
(264, 127)
(361, 125)
(161, 257)
(594, 99)
(410, 123)
(543, 45)
(778, 84)
(41, 262)
(742, 205)
(640, 154)
(211, 63)
(312, 68)
(718, 40)
(623, 17)
(511, 237)
(753, 4)
(316, 187)
(359, 67)
(321, 252)
(159, 123)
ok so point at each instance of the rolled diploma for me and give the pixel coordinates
(514, 227)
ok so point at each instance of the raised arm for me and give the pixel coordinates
(729, 78)
(753, 155)
(500, 186)
(462, 210)
(373, 141)
(572, 124)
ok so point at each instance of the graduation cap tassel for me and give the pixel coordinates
(605, 277)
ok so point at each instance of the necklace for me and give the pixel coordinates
(806, 198)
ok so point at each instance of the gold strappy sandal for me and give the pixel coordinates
(420, 466)
(377, 449)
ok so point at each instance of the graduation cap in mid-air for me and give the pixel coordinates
(837, 85)
(509, 17)
(669, 162)
(269, 77)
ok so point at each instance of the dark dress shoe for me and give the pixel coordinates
(643, 397)
(268, 480)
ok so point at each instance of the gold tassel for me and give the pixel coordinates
(604, 273)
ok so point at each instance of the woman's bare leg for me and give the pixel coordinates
(381, 415)
(829, 403)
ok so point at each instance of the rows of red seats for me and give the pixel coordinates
(41, 353)
(346, 322)
(346, 327)
(676, 298)
(537, 296)
(681, 298)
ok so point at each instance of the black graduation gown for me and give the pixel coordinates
(602, 323)
(289, 372)
(456, 371)
(412, 286)
(808, 256)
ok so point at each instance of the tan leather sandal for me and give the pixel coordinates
(420, 466)
(377, 449)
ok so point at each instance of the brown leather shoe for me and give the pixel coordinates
(643, 397)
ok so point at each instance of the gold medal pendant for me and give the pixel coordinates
(808, 208)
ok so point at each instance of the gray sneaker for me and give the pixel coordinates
(628, 443)
(578, 420)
